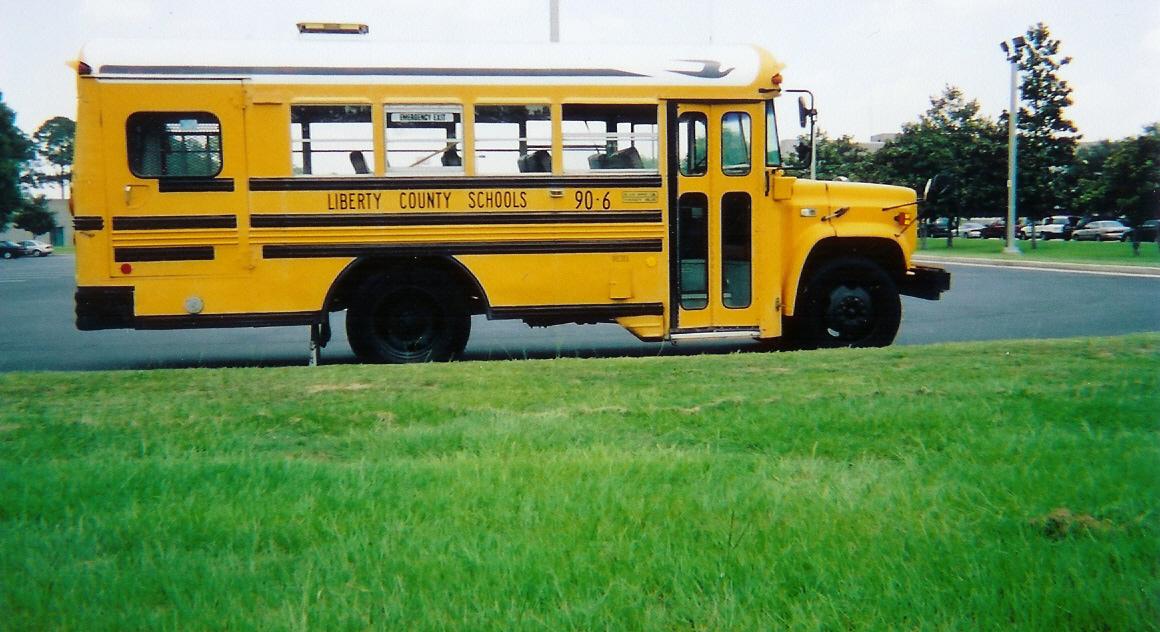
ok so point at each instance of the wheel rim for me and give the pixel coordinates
(850, 313)
(408, 323)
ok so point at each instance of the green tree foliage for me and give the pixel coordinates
(15, 151)
(1122, 177)
(55, 141)
(952, 138)
(842, 157)
(1047, 140)
(35, 217)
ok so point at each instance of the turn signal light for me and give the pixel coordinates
(902, 218)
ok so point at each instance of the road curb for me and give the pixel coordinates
(1149, 271)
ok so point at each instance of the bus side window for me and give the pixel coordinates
(424, 138)
(601, 136)
(693, 143)
(174, 144)
(735, 143)
(328, 140)
(512, 139)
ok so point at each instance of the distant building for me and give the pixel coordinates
(877, 141)
(62, 235)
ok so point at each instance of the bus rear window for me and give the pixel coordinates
(174, 144)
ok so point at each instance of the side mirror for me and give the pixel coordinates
(803, 111)
(937, 188)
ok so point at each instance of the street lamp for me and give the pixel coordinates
(1013, 52)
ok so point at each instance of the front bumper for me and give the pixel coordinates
(925, 282)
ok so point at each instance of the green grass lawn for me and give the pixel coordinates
(970, 486)
(1107, 252)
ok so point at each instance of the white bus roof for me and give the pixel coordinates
(328, 60)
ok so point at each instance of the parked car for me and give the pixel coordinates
(938, 228)
(1052, 227)
(971, 230)
(1102, 230)
(39, 248)
(1143, 233)
(11, 249)
(997, 228)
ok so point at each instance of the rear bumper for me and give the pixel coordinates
(104, 308)
(925, 282)
(113, 307)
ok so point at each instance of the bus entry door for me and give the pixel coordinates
(719, 181)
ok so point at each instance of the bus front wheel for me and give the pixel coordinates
(408, 316)
(848, 302)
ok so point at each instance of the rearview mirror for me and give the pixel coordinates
(803, 111)
(935, 192)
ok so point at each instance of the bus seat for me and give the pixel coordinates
(598, 161)
(626, 159)
(539, 161)
(359, 162)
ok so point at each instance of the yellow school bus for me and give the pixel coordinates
(253, 184)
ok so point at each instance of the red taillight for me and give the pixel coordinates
(902, 218)
(126, 268)
(84, 69)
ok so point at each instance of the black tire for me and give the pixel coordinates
(847, 302)
(408, 316)
(7, 255)
(37, 253)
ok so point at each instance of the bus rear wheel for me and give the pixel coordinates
(848, 302)
(412, 316)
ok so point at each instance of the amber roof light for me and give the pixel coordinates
(333, 27)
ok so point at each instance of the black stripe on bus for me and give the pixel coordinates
(195, 185)
(365, 71)
(171, 222)
(451, 182)
(88, 223)
(310, 251)
(135, 254)
(577, 312)
(453, 219)
(277, 319)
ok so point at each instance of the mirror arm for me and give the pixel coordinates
(891, 208)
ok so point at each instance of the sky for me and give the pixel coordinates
(872, 64)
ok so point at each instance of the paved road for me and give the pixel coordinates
(985, 303)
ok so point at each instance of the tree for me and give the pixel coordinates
(1122, 178)
(1093, 193)
(951, 138)
(837, 158)
(55, 140)
(1047, 140)
(35, 217)
(15, 151)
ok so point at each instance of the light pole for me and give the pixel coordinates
(554, 21)
(1012, 51)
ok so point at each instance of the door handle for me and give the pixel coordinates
(129, 189)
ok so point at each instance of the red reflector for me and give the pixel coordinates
(126, 268)
(902, 218)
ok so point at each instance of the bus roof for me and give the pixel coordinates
(376, 62)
